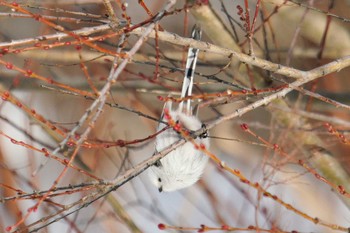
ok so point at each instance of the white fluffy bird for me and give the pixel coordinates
(183, 166)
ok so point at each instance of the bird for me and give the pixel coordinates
(183, 166)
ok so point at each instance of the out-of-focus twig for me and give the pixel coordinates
(330, 168)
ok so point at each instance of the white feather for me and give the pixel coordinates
(183, 166)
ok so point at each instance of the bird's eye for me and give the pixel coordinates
(158, 164)
(159, 180)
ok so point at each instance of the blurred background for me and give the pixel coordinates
(296, 147)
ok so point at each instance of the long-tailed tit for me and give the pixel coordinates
(183, 166)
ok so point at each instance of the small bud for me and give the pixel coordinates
(161, 226)
(244, 126)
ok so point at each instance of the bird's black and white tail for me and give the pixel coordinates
(189, 72)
